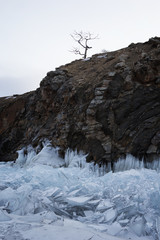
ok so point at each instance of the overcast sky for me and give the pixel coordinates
(35, 34)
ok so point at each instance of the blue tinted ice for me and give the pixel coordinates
(43, 188)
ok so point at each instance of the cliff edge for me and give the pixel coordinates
(107, 105)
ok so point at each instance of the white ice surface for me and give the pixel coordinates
(45, 197)
(70, 229)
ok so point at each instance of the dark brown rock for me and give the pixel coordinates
(107, 106)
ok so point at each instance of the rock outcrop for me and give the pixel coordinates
(107, 106)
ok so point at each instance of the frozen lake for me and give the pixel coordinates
(45, 197)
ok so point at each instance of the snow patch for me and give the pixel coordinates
(86, 59)
(102, 56)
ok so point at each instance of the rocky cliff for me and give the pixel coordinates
(107, 106)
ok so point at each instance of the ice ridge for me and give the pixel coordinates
(41, 188)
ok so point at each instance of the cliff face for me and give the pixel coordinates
(107, 106)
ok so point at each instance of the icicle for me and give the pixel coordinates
(128, 163)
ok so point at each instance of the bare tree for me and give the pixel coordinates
(82, 39)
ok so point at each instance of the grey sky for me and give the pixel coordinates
(35, 34)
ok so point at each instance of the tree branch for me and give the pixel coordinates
(76, 51)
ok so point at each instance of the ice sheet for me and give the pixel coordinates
(42, 193)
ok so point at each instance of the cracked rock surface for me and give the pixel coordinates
(107, 106)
